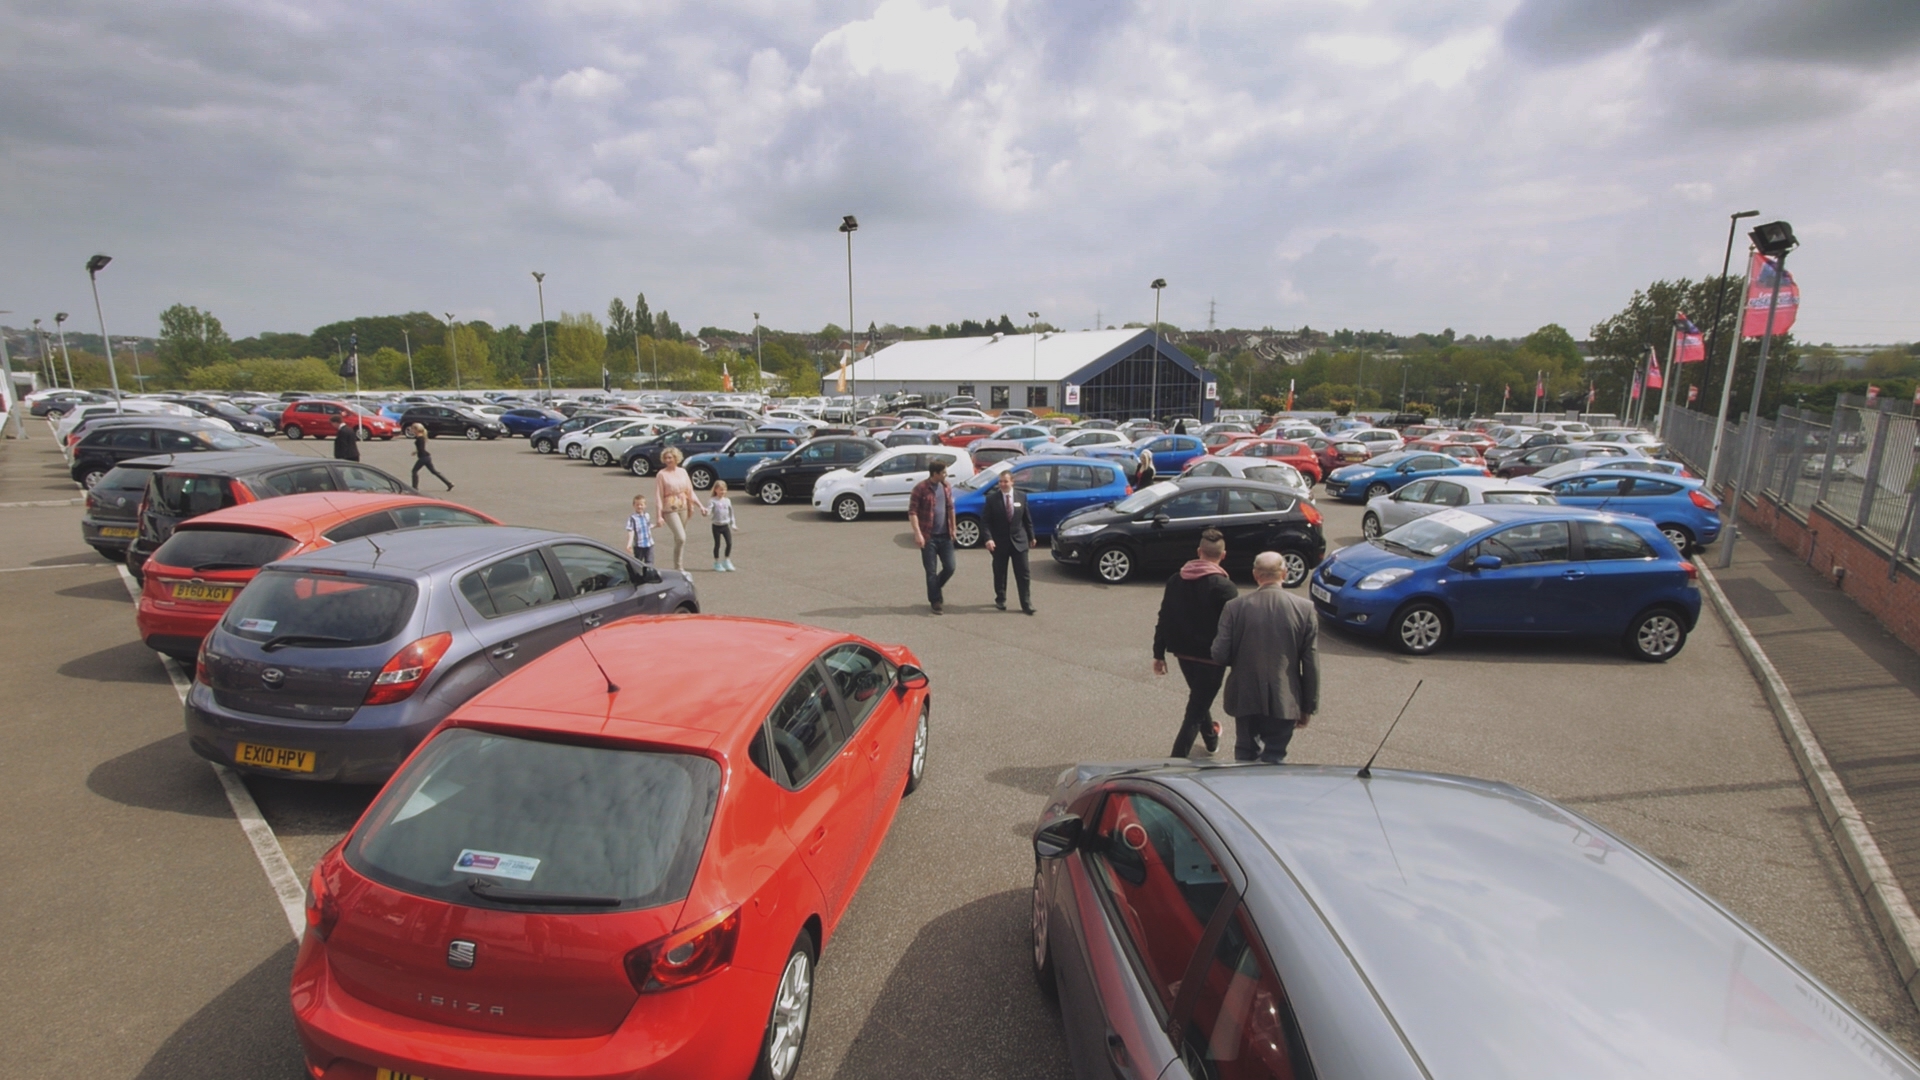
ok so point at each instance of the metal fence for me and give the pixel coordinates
(1860, 463)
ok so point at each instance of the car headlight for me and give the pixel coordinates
(1380, 579)
(1080, 530)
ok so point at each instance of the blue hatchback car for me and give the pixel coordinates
(1514, 570)
(525, 421)
(1171, 452)
(1054, 487)
(1387, 473)
(1680, 506)
(731, 462)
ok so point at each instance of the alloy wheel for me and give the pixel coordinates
(772, 493)
(1681, 539)
(1370, 526)
(792, 1004)
(1113, 565)
(473, 434)
(1296, 565)
(917, 764)
(966, 532)
(1374, 491)
(600, 456)
(847, 508)
(1039, 924)
(702, 479)
(293, 431)
(640, 466)
(573, 451)
(542, 446)
(1658, 636)
(1421, 630)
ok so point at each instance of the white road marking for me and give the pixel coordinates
(44, 502)
(56, 566)
(266, 846)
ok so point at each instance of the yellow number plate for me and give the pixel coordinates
(213, 594)
(389, 1074)
(273, 757)
(120, 534)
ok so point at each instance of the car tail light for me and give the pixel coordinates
(1310, 512)
(323, 908)
(407, 670)
(200, 673)
(240, 492)
(1129, 489)
(685, 956)
(1703, 500)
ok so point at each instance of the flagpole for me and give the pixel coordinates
(1751, 427)
(1726, 387)
(1667, 376)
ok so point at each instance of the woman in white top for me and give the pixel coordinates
(673, 494)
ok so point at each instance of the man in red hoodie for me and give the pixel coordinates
(1189, 619)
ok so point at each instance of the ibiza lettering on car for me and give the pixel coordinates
(437, 1001)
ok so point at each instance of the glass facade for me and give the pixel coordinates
(1140, 386)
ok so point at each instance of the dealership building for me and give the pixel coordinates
(1112, 374)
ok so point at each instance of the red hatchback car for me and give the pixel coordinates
(1297, 454)
(968, 433)
(192, 577)
(324, 419)
(603, 867)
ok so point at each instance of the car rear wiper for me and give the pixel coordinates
(285, 640)
(490, 891)
(199, 567)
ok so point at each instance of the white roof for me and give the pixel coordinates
(1010, 358)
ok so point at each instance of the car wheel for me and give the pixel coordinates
(848, 508)
(55, 416)
(473, 434)
(772, 493)
(600, 457)
(91, 476)
(108, 554)
(685, 609)
(640, 466)
(543, 446)
(292, 431)
(1297, 568)
(1042, 946)
(573, 451)
(1418, 629)
(1680, 535)
(917, 764)
(1370, 526)
(792, 1007)
(967, 531)
(1376, 490)
(701, 477)
(360, 432)
(1113, 564)
(1657, 635)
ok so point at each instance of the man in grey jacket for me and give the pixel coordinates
(1269, 640)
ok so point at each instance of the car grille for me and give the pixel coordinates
(1336, 487)
(1331, 578)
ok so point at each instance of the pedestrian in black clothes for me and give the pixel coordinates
(1009, 536)
(1189, 619)
(422, 459)
(1143, 471)
(346, 442)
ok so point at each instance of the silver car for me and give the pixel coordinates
(1287, 921)
(1252, 468)
(1422, 497)
(335, 664)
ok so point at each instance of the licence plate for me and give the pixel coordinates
(389, 1074)
(1321, 594)
(273, 757)
(213, 594)
(119, 534)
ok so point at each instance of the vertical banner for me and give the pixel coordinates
(1212, 390)
(1071, 395)
(1761, 274)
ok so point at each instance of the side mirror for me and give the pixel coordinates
(649, 575)
(1487, 562)
(1057, 839)
(911, 678)
(1161, 521)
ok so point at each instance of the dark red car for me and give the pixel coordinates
(323, 419)
(600, 867)
(1301, 456)
(967, 433)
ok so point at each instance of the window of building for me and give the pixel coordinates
(1036, 397)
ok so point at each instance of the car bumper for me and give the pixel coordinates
(176, 630)
(365, 749)
(1075, 552)
(713, 1028)
(109, 535)
(1366, 612)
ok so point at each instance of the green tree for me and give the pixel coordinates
(579, 349)
(472, 358)
(190, 339)
(620, 328)
(665, 328)
(1821, 363)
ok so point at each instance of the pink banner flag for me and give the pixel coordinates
(1636, 386)
(1693, 347)
(1760, 294)
(1873, 393)
(1654, 381)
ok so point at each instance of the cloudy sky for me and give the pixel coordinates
(1489, 165)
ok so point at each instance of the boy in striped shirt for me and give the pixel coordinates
(640, 531)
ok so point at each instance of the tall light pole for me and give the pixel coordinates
(13, 405)
(40, 347)
(848, 225)
(1033, 327)
(1153, 412)
(1720, 297)
(407, 340)
(94, 266)
(60, 329)
(453, 348)
(546, 353)
(1774, 239)
(758, 367)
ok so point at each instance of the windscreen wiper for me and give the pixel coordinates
(285, 640)
(488, 890)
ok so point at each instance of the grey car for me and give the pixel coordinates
(335, 664)
(1305, 921)
(1422, 497)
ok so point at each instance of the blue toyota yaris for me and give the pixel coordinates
(1388, 473)
(1054, 487)
(525, 421)
(1514, 569)
(1680, 506)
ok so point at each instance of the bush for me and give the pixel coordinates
(268, 376)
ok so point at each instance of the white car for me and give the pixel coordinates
(921, 423)
(136, 406)
(1589, 464)
(1377, 440)
(610, 447)
(803, 425)
(573, 443)
(1079, 440)
(1572, 429)
(1422, 497)
(885, 481)
(1252, 468)
(963, 415)
(1293, 431)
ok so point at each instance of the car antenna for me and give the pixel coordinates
(612, 687)
(377, 551)
(1366, 771)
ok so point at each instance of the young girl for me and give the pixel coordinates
(721, 508)
(640, 531)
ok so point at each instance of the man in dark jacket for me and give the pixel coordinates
(930, 508)
(1270, 640)
(1009, 536)
(346, 441)
(1189, 619)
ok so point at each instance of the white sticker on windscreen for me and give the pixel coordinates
(1460, 519)
(259, 626)
(494, 864)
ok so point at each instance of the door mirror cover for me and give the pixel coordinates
(1057, 838)
(911, 678)
(1487, 562)
(1161, 521)
(649, 575)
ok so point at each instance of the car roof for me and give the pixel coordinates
(427, 550)
(306, 516)
(239, 462)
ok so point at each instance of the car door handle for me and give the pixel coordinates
(873, 750)
(505, 651)
(1573, 575)
(594, 620)
(819, 840)
(1117, 1053)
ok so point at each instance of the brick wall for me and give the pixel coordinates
(1837, 545)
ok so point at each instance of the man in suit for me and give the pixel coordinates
(1009, 536)
(1269, 641)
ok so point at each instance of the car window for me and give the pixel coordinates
(895, 466)
(853, 453)
(364, 525)
(1434, 461)
(820, 452)
(361, 478)
(1252, 501)
(1415, 492)
(1609, 540)
(803, 728)
(1033, 478)
(1523, 498)
(1592, 487)
(1208, 468)
(409, 517)
(222, 549)
(1241, 1025)
(125, 439)
(1191, 504)
(513, 584)
(1162, 885)
(862, 677)
(1444, 493)
(178, 440)
(749, 446)
(1642, 486)
(331, 610)
(590, 569)
(1076, 477)
(303, 480)
(1534, 542)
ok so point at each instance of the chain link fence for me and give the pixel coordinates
(1861, 462)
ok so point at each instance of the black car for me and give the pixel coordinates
(112, 518)
(644, 459)
(191, 485)
(547, 439)
(243, 421)
(909, 438)
(61, 402)
(1159, 526)
(777, 479)
(107, 444)
(1498, 455)
(452, 420)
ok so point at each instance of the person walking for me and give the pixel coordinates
(1009, 538)
(640, 531)
(1143, 473)
(673, 491)
(1269, 639)
(930, 508)
(721, 508)
(1189, 620)
(346, 440)
(422, 459)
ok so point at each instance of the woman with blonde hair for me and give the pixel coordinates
(673, 494)
(422, 459)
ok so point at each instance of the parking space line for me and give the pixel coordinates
(55, 566)
(266, 846)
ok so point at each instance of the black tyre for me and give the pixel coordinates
(1113, 564)
(90, 476)
(640, 466)
(1418, 629)
(360, 432)
(473, 434)
(292, 431)
(701, 477)
(917, 763)
(600, 457)
(1680, 535)
(1656, 635)
(543, 446)
(786, 1034)
(1297, 568)
(1042, 942)
(773, 492)
(967, 532)
(573, 451)
(1375, 490)
(1370, 526)
(848, 508)
(110, 554)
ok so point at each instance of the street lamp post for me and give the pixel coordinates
(758, 366)
(453, 350)
(407, 340)
(40, 352)
(1720, 297)
(848, 226)
(94, 266)
(1153, 401)
(1033, 328)
(546, 354)
(60, 329)
(1775, 239)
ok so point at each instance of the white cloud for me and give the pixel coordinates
(902, 38)
(587, 84)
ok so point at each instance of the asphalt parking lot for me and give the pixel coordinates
(142, 938)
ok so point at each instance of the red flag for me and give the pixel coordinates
(1693, 347)
(1590, 392)
(1654, 382)
(1636, 387)
(1693, 394)
(1540, 386)
(1762, 271)
(1873, 393)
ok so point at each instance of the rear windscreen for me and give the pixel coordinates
(320, 610)
(576, 821)
(222, 549)
(124, 479)
(187, 495)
